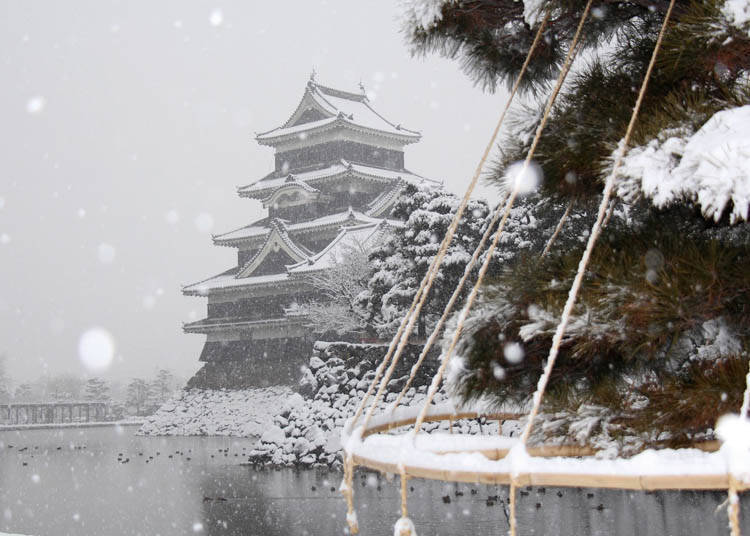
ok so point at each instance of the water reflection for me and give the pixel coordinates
(106, 481)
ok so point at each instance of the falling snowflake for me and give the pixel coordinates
(172, 217)
(204, 222)
(35, 105)
(513, 353)
(96, 349)
(216, 18)
(106, 253)
(526, 178)
(149, 302)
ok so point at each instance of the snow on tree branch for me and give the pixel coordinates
(737, 13)
(339, 288)
(421, 14)
(710, 168)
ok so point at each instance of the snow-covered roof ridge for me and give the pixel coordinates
(334, 171)
(261, 228)
(228, 281)
(278, 231)
(340, 108)
(362, 234)
(257, 228)
(198, 288)
(385, 200)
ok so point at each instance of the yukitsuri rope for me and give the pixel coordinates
(746, 398)
(423, 288)
(594, 235)
(559, 227)
(430, 276)
(435, 384)
(733, 508)
(347, 489)
(444, 317)
(595, 232)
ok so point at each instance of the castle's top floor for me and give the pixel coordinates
(329, 125)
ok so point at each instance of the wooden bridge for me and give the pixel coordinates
(54, 412)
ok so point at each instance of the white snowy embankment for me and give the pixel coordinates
(710, 167)
(204, 412)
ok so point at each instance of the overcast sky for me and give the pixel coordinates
(127, 125)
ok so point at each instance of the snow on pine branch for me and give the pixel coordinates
(710, 168)
(737, 13)
(421, 14)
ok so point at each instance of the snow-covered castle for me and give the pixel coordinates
(339, 168)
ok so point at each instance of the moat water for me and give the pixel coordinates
(108, 481)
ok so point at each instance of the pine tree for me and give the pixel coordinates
(160, 388)
(137, 394)
(24, 393)
(658, 341)
(96, 389)
(401, 260)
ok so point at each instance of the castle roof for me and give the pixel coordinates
(364, 236)
(261, 228)
(265, 186)
(338, 109)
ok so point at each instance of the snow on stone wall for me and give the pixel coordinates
(307, 431)
(208, 412)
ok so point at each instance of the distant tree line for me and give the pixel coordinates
(137, 396)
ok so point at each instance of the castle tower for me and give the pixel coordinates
(339, 168)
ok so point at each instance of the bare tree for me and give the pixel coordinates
(338, 289)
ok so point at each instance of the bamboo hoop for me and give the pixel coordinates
(587, 477)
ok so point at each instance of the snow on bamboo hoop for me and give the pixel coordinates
(500, 460)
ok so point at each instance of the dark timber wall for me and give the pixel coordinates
(333, 151)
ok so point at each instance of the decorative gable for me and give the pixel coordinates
(290, 194)
(277, 251)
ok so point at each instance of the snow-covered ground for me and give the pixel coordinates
(201, 412)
